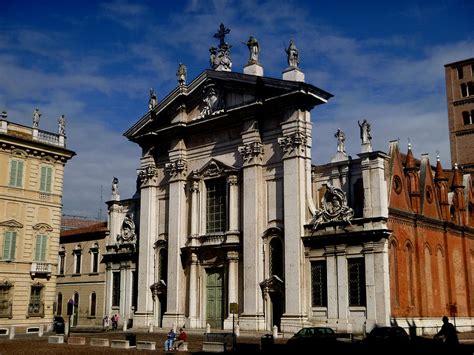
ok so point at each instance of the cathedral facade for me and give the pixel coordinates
(231, 221)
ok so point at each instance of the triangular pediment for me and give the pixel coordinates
(213, 169)
(216, 95)
(398, 190)
(11, 224)
(429, 204)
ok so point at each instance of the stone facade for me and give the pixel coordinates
(460, 96)
(81, 275)
(31, 184)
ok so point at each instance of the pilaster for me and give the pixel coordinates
(176, 290)
(252, 316)
(148, 212)
(232, 290)
(192, 320)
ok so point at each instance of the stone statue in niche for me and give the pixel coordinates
(127, 231)
(292, 55)
(254, 50)
(36, 117)
(333, 208)
(212, 102)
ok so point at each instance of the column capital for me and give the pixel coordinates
(252, 152)
(293, 145)
(194, 186)
(148, 176)
(232, 256)
(233, 180)
(177, 169)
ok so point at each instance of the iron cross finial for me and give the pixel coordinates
(221, 34)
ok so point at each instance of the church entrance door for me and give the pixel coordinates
(215, 299)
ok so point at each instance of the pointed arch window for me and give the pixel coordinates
(409, 253)
(394, 271)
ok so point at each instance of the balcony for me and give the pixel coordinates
(40, 269)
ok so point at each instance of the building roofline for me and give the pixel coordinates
(460, 62)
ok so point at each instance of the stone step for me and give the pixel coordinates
(56, 339)
(146, 345)
(76, 341)
(99, 342)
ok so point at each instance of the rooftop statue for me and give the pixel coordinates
(293, 55)
(254, 50)
(220, 57)
(181, 74)
(36, 117)
(62, 125)
(365, 131)
(152, 102)
(341, 138)
(115, 190)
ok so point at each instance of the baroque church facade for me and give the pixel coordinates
(231, 219)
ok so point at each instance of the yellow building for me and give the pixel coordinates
(31, 185)
(81, 274)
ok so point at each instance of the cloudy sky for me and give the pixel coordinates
(95, 61)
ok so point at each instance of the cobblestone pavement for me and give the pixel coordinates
(246, 344)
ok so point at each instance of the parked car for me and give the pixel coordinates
(312, 335)
(58, 325)
(396, 336)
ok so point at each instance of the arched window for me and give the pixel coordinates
(409, 255)
(59, 304)
(92, 306)
(441, 278)
(428, 277)
(276, 258)
(463, 90)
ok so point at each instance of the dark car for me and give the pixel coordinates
(396, 336)
(58, 325)
(312, 335)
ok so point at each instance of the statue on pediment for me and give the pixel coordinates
(341, 138)
(254, 50)
(365, 131)
(334, 208)
(181, 74)
(292, 55)
(213, 101)
(152, 101)
(62, 125)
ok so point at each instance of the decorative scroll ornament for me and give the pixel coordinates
(251, 151)
(334, 208)
(272, 284)
(220, 57)
(176, 168)
(147, 174)
(292, 144)
(213, 101)
(127, 232)
(158, 288)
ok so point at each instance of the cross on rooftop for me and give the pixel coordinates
(221, 34)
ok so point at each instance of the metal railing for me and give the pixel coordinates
(40, 268)
(36, 309)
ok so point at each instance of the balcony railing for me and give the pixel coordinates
(36, 309)
(40, 269)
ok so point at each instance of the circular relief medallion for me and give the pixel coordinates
(429, 194)
(397, 184)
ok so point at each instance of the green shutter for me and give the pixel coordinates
(19, 175)
(41, 241)
(13, 170)
(9, 246)
(43, 179)
(49, 173)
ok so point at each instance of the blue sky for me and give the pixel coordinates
(95, 61)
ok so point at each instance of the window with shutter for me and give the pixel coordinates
(9, 245)
(16, 173)
(46, 178)
(41, 244)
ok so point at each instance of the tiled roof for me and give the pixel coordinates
(94, 228)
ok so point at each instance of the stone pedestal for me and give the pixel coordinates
(340, 156)
(254, 69)
(293, 74)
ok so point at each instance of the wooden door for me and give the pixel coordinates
(215, 299)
